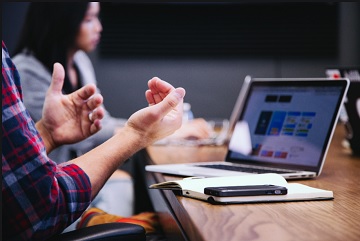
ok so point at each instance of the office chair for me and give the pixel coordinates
(107, 231)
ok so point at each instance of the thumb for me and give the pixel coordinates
(171, 101)
(57, 78)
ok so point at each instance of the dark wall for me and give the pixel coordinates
(212, 82)
(13, 15)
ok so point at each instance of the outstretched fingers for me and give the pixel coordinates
(95, 126)
(94, 102)
(86, 93)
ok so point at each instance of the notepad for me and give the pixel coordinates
(193, 187)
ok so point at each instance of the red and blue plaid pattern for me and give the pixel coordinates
(39, 197)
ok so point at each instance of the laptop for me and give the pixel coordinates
(350, 114)
(225, 126)
(281, 126)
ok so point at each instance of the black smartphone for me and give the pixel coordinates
(251, 190)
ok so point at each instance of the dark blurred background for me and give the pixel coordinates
(208, 48)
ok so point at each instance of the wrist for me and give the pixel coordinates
(137, 137)
(45, 136)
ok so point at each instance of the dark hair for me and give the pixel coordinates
(50, 29)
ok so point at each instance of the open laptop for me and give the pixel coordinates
(226, 126)
(350, 114)
(282, 126)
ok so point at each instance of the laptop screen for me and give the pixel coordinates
(289, 122)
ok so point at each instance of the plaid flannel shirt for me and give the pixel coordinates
(39, 197)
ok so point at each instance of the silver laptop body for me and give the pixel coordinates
(278, 125)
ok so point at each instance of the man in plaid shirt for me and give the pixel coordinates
(39, 197)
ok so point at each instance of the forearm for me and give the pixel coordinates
(100, 163)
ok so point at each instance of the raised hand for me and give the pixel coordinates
(164, 114)
(69, 118)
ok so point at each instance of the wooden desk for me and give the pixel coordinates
(189, 219)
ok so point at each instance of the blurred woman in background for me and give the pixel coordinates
(65, 33)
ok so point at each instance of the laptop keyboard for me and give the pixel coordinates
(244, 169)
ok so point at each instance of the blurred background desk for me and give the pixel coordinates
(189, 219)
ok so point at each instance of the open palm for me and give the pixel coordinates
(66, 117)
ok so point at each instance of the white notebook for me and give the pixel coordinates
(193, 187)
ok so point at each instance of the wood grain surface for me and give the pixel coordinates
(337, 219)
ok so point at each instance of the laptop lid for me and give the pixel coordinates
(299, 129)
(290, 122)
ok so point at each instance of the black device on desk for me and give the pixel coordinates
(250, 190)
